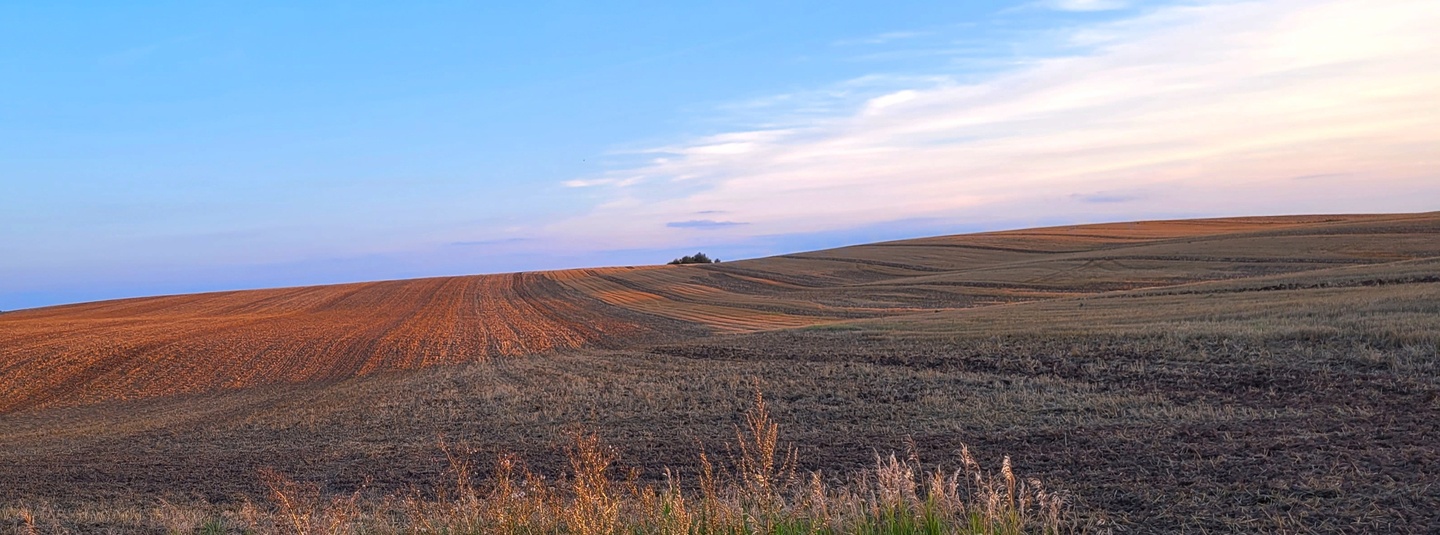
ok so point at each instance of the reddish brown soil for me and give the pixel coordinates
(1243, 375)
(160, 346)
(137, 348)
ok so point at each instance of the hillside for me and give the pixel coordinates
(1233, 375)
(137, 348)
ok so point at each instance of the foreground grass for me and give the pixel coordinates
(753, 487)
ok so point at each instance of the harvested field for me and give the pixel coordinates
(1248, 375)
(135, 348)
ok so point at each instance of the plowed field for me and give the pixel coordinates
(1255, 375)
(135, 348)
(197, 343)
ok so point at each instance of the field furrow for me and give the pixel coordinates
(189, 344)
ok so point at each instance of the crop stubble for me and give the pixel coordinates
(1210, 374)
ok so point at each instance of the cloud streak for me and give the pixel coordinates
(1105, 197)
(1210, 108)
(1087, 5)
(704, 224)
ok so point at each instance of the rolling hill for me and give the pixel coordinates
(1267, 374)
(146, 347)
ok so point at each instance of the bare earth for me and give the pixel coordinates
(1233, 375)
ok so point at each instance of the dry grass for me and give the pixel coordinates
(756, 491)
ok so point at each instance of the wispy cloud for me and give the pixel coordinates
(1087, 5)
(482, 243)
(1323, 176)
(1106, 197)
(608, 181)
(704, 224)
(1210, 108)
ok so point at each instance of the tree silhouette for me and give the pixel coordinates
(697, 258)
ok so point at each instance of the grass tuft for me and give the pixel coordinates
(756, 491)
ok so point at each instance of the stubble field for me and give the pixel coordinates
(1250, 375)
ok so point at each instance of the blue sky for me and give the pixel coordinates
(152, 147)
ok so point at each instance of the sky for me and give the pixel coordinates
(170, 147)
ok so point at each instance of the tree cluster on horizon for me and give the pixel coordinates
(697, 258)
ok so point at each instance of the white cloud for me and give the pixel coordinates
(878, 104)
(1205, 108)
(1087, 5)
(593, 182)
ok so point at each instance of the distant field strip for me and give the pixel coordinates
(679, 300)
